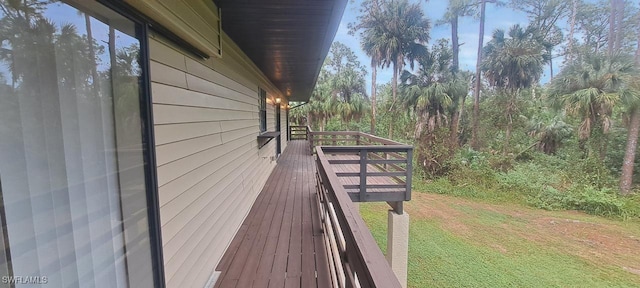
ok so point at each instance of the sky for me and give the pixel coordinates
(468, 31)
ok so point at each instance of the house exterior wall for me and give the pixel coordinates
(210, 168)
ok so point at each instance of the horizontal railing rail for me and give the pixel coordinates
(342, 138)
(297, 132)
(354, 257)
(371, 168)
(372, 173)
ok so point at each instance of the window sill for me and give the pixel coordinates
(265, 137)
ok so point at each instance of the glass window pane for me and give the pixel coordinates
(72, 172)
(263, 109)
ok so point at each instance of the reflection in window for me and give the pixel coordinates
(262, 106)
(72, 180)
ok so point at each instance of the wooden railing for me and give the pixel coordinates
(372, 173)
(354, 257)
(356, 167)
(298, 132)
(372, 168)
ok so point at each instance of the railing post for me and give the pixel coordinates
(363, 174)
(409, 173)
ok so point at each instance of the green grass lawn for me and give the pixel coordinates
(473, 253)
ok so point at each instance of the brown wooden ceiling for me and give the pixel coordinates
(287, 39)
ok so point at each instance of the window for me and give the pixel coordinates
(73, 174)
(263, 109)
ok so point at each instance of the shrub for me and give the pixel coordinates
(591, 171)
(546, 182)
(550, 199)
(528, 178)
(433, 152)
(602, 202)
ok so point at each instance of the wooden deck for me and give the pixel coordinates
(280, 243)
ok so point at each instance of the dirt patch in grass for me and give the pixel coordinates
(514, 228)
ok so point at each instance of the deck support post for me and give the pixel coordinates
(398, 244)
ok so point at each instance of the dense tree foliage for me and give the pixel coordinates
(340, 91)
(585, 116)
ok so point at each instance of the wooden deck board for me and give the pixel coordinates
(251, 264)
(308, 248)
(281, 242)
(250, 238)
(278, 243)
(294, 261)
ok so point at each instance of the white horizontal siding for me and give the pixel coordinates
(178, 132)
(210, 169)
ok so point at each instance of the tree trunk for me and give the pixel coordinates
(460, 116)
(572, 25)
(604, 145)
(551, 65)
(476, 93)
(637, 57)
(454, 43)
(626, 179)
(394, 88)
(453, 131)
(612, 28)
(619, 27)
(455, 118)
(394, 83)
(374, 73)
(509, 115)
(507, 136)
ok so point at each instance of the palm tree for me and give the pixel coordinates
(549, 133)
(371, 24)
(476, 91)
(435, 92)
(632, 99)
(353, 110)
(298, 113)
(321, 106)
(433, 95)
(348, 95)
(459, 89)
(513, 64)
(590, 88)
(455, 10)
(544, 16)
(373, 45)
(340, 89)
(406, 30)
(347, 84)
(394, 31)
